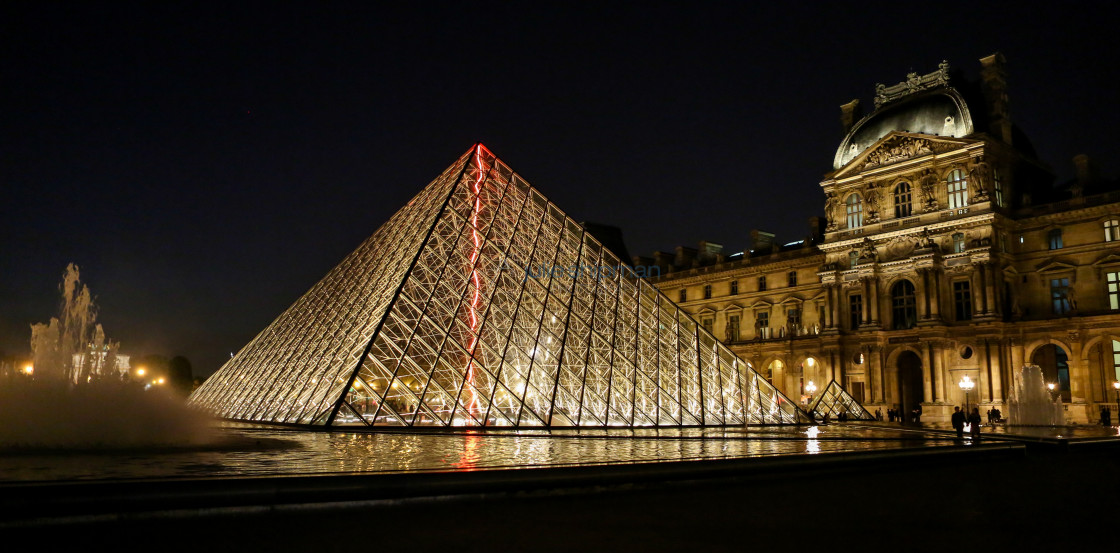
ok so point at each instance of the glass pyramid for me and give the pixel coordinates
(482, 303)
(835, 400)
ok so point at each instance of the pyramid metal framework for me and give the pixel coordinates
(482, 303)
(835, 400)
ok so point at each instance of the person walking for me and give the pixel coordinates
(974, 421)
(958, 422)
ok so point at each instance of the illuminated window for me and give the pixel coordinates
(708, 324)
(792, 277)
(733, 328)
(1116, 358)
(855, 311)
(793, 318)
(1054, 238)
(1113, 280)
(903, 306)
(958, 189)
(902, 207)
(962, 298)
(855, 211)
(761, 283)
(684, 295)
(707, 291)
(958, 242)
(853, 258)
(1111, 230)
(1059, 295)
(734, 287)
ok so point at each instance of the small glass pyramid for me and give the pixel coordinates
(835, 400)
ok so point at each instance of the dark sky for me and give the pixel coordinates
(206, 164)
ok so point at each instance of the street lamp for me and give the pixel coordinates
(1050, 386)
(811, 388)
(966, 385)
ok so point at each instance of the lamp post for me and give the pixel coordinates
(966, 385)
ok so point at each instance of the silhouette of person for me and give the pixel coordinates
(974, 420)
(958, 422)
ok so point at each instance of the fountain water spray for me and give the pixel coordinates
(73, 346)
(1031, 402)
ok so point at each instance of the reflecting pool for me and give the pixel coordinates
(262, 450)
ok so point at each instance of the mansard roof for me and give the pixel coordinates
(939, 111)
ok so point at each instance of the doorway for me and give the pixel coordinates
(909, 383)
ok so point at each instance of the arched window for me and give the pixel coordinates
(958, 189)
(904, 314)
(902, 206)
(855, 211)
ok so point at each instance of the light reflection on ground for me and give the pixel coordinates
(303, 452)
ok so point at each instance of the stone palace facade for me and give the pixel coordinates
(946, 251)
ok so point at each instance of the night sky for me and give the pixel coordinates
(206, 164)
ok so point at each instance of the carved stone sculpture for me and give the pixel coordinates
(979, 176)
(927, 183)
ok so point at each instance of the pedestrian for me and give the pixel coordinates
(958, 422)
(974, 420)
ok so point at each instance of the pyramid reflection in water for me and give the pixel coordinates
(482, 303)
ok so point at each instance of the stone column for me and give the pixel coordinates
(1078, 372)
(923, 292)
(983, 380)
(994, 375)
(984, 288)
(927, 373)
(939, 369)
(1017, 353)
(935, 296)
(873, 284)
(878, 360)
(865, 290)
(838, 294)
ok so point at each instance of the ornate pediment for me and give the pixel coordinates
(1054, 265)
(792, 300)
(899, 146)
(1107, 260)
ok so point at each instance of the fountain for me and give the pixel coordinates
(1031, 403)
(77, 394)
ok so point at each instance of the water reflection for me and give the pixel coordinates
(384, 452)
(468, 457)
